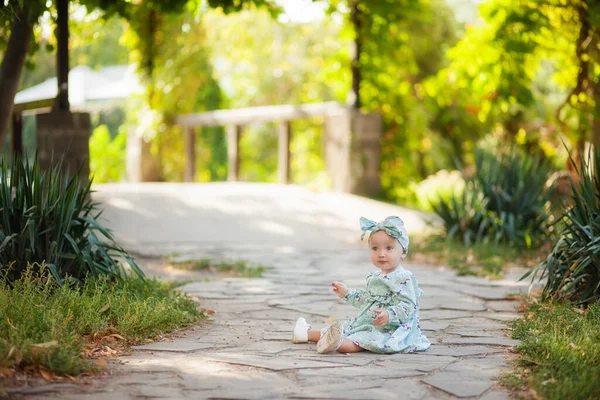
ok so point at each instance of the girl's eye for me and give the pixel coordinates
(374, 249)
(390, 247)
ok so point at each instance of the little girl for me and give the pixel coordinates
(388, 320)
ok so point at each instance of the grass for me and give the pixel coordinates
(59, 330)
(559, 352)
(236, 268)
(482, 259)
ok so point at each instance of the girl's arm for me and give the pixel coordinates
(356, 297)
(405, 292)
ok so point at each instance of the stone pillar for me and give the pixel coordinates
(353, 150)
(234, 134)
(63, 133)
(142, 165)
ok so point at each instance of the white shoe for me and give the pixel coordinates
(331, 339)
(300, 331)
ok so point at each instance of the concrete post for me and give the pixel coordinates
(283, 159)
(67, 134)
(353, 151)
(142, 165)
(234, 133)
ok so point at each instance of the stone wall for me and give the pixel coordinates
(63, 133)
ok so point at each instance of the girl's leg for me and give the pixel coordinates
(348, 346)
(314, 336)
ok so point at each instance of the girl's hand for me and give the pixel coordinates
(339, 288)
(382, 318)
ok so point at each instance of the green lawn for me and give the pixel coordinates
(487, 260)
(45, 325)
(559, 352)
(236, 268)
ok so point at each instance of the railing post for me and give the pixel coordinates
(190, 154)
(285, 132)
(17, 133)
(233, 153)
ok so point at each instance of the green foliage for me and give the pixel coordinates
(46, 324)
(504, 201)
(439, 186)
(560, 346)
(572, 269)
(107, 157)
(482, 259)
(404, 45)
(49, 217)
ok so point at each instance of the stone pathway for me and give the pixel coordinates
(245, 352)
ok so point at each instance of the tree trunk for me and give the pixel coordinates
(12, 67)
(355, 66)
(62, 55)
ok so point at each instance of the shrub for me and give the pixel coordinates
(107, 157)
(572, 270)
(441, 185)
(48, 217)
(504, 201)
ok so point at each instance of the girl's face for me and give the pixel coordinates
(386, 252)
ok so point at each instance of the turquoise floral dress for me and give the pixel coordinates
(398, 293)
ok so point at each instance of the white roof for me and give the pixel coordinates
(86, 85)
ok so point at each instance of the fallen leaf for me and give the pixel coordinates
(106, 307)
(46, 375)
(7, 372)
(579, 310)
(210, 311)
(330, 319)
(100, 363)
(46, 344)
(110, 350)
(117, 336)
(10, 352)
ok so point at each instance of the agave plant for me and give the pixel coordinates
(572, 270)
(47, 217)
(505, 201)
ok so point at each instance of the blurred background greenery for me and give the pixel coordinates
(449, 76)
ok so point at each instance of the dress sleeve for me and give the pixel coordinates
(405, 293)
(356, 297)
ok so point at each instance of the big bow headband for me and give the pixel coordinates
(393, 226)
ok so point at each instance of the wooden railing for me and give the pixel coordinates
(19, 110)
(235, 119)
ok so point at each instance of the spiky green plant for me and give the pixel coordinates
(48, 217)
(572, 270)
(504, 201)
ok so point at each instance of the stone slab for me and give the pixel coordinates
(462, 351)
(459, 385)
(277, 336)
(491, 341)
(271, 362)
(503, 305)
(179, 346)
(419, 363)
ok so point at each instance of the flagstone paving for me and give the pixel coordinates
(244, 350)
